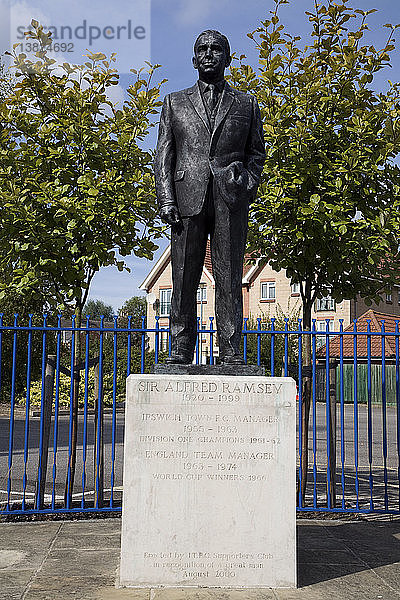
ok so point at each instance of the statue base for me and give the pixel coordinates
(209, 483)
(231, 370)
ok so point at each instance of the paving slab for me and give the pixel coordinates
(81, 540)
(41, 533)
(331, 556)
(346, 581)
(337, 560)
(13, 584)
(390, 573)
(28, 541)
(93, 526)
(87, 562)
(66, 588)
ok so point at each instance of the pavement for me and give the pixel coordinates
(338, 559)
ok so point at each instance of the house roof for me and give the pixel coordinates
(160, 265)
(248, 268)
(376, 321)
(207, 258)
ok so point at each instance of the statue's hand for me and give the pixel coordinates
(238, 174)
(170, 214)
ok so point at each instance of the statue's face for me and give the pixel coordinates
(210, 57)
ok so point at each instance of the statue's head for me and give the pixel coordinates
(212, 55)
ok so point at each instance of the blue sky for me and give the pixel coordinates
(174, 25)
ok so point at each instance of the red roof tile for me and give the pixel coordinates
(375, 321)
(247, 265)
(207, 260)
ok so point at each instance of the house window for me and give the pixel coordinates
(165, 302)
(326, 303)
(204, 335)
(268, 290)
(164, 341)
(322, 326)
(389, 298)
(202, 294)
(295, 289)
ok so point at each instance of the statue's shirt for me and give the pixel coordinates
(211, 95)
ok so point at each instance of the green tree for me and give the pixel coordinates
(136, 308)
(77, 188)
(26, 301)
(97, 309)
(327, 207)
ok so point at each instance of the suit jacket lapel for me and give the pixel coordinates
(198, 104)
(225, 104)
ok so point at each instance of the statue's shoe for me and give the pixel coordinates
(178, 359)
(232, 359)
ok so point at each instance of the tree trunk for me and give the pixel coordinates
(69, 484)
(306, 363)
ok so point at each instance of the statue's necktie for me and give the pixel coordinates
(211, 97)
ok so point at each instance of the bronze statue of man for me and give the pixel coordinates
(209, 158)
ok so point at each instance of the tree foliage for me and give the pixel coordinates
(327, 208)
(136, 308)
(107, 381)
(285, 347)
(77, 187)
(97, 309)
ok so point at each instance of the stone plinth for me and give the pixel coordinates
(209, 482)
(231, 370)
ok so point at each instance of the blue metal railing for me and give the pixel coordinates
(54, 458)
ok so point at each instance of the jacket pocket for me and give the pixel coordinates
(240, 117)
(179, 175)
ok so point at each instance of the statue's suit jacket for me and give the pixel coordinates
(188, 151)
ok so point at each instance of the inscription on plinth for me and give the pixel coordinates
(209, 482)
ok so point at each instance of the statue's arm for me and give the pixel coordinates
(164, 167)
(164, 163)
(255, 148)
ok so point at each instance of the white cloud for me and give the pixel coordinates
(191, 12)
(79, 26)
(22, 14)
